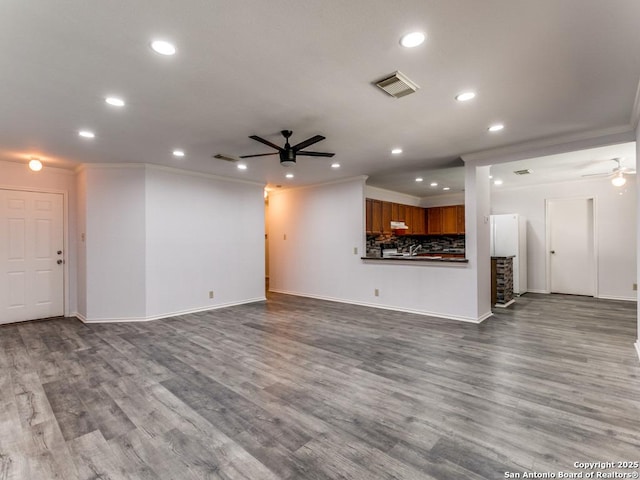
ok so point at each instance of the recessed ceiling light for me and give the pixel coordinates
(446, 188)
(412, 39)
(35, 164)
(289, 175)
(178, 153)
(115, 101)
(434, 184)
(497, 182)
(465, 96)
(490, 177)
(496, 128)
(242, 166)
(396, 151)
(163, 47)
(335, 165)
(419, 179)
(86, 134)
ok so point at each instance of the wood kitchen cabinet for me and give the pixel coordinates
(434, 221)
(447, 220)
(460, 215)
(376, 217)
(418, 221)
(450, 219)
(394, 212)
(402, 213)
(386, 217)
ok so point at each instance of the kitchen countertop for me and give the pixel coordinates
(414, 259)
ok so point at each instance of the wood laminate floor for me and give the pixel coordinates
(297, 388)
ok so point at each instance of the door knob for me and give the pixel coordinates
(59, 262)
(59, 252)
(553, 251)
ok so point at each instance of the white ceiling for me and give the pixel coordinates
(543, 68)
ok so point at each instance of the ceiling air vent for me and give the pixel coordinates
(397, 85)
(526, 171)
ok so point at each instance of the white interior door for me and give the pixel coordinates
(31, 255)
(571, 246)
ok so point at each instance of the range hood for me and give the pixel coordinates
(399, 226)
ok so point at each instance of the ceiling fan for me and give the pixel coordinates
(616, 175)
(288, 153)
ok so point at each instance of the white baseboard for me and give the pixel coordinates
(168, 315)
(389, 307)
(637, 344)
(533, 290)
(613, 297)
(505, 305)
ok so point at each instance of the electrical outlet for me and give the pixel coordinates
(635, 286)
(376, 292)
(355, 250)
(210, 293)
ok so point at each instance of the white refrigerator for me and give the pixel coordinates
(509, 237)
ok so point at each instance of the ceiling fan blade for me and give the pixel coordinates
(259, 155)
(308, 142)
(227, 158)
(315, 154)
(598, 175)
(266, 142)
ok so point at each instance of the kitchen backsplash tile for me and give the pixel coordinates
(431, 244)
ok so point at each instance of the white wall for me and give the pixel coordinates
(115, 242)
(50, 179)
(637, 217)
(323, 224)
(203, 234)
(442, 200)
(615, 230)
(159, 239)
(391, 196)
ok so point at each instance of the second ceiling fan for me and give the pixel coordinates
(288, 153)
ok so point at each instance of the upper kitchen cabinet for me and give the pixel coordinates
(434, 221)
(376, 216)
(450, 219)
(386, 217)
(418, 221)
(447, 220)
(460, 214)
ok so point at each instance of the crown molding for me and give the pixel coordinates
(552, 146)
(362, 178)
(163, 168)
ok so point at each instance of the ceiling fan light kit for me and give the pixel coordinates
(617, 175)
(618, 180)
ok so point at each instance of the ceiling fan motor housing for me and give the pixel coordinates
(287, 157)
